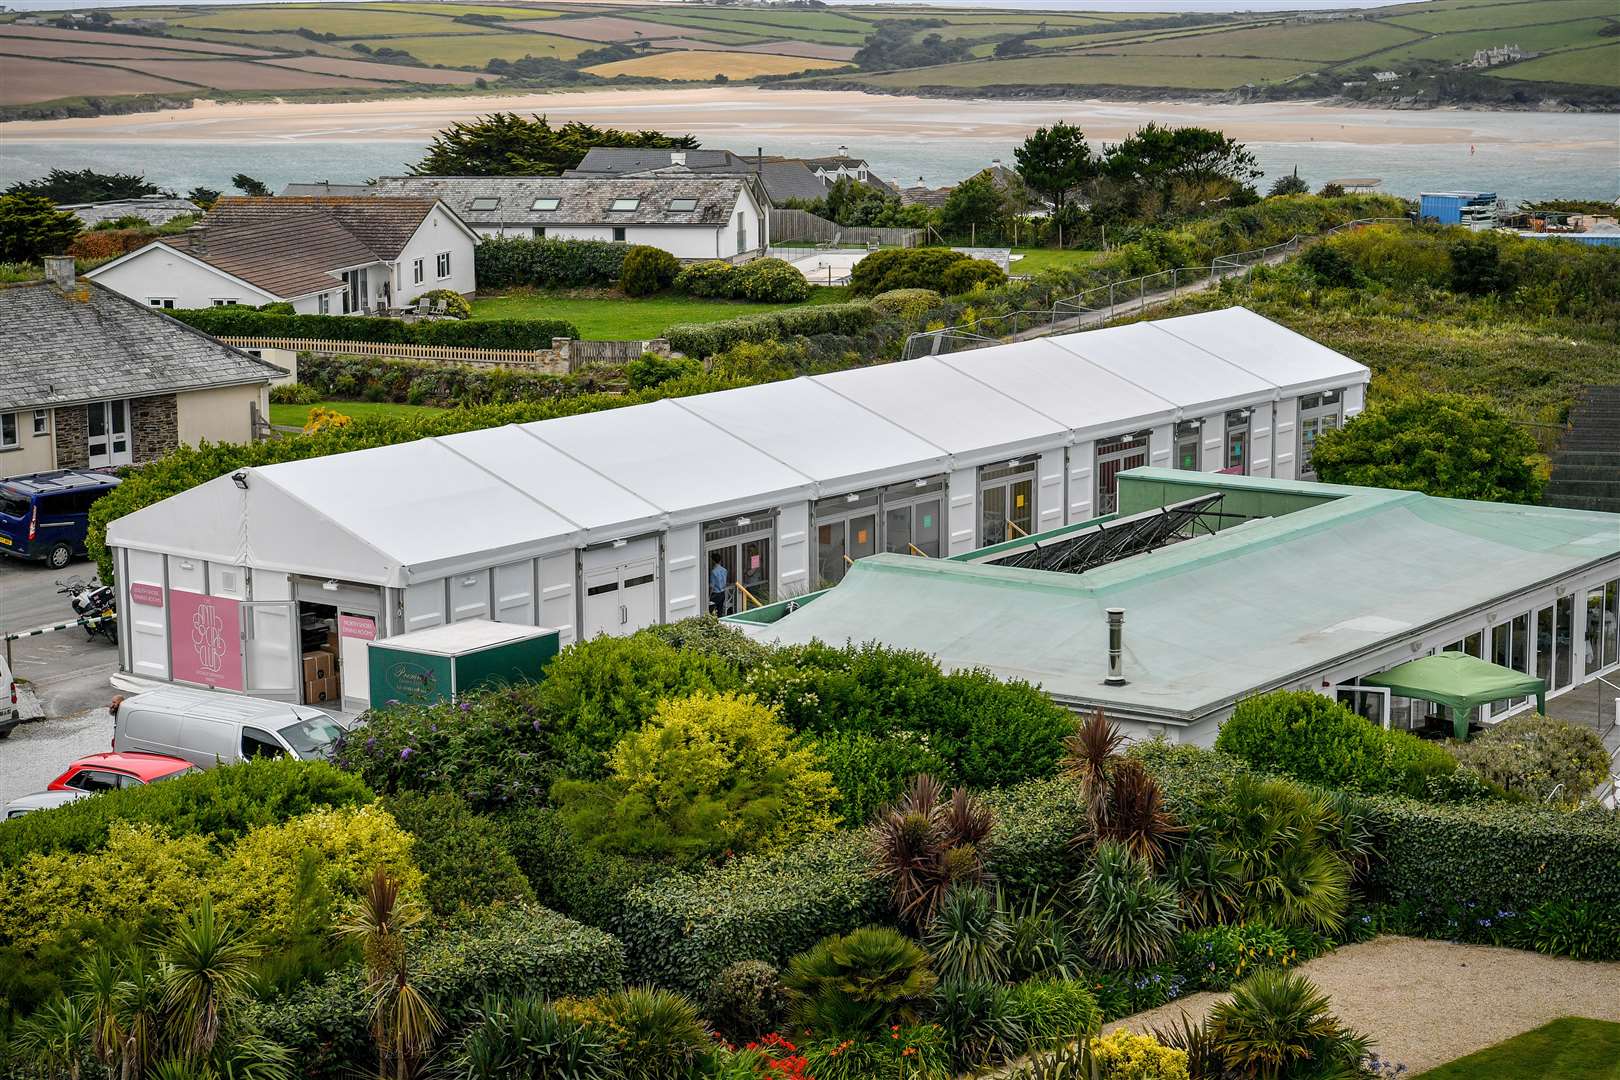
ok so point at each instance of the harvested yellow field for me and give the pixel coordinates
(706, 65)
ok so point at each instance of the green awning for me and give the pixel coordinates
(1459, 682)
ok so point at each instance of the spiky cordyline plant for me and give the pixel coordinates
(1088, 755)
(970, 937)
(1136, 815)
(1132, 918)
(403, 1022)
(207, 966)
(924, 845)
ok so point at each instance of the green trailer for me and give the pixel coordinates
(443, 662)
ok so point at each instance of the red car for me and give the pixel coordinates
(104, 772)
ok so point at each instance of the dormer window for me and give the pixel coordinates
(545, 204)
(484, 204)
(624, 206)
(682, 206)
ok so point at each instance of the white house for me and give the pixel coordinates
(691, 217)
(327, 255)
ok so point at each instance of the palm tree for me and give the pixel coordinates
(1089, 754)
(403, 1022)
(56, 1036)
(140, 1006)
(206, 969)
(101, 988)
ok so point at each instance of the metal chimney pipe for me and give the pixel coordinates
(1116, 647)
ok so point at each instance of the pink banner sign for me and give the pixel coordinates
(205, 639)
(357, 626)
(150, 595)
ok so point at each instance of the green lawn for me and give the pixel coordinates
(298, 415)
(1037, 259)
(1567, 1049)
(617, 318)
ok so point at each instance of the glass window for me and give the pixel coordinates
(830, 551)
(624, 206)
(161, 301)
(618, 234)
(441, 264)
(257, 744)
(1114, 456)
(311, 737)
(1563, 643)
(226, 301)
(1544, 644)
(483, 204)
(97, 780)
(8, 429)
(539, 232)
(681, 206)
(1611, 623)
(1472, 645)
(544, 204)
(42, 422)
(1189, 439)
(418, 272)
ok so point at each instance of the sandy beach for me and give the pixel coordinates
(746, 116)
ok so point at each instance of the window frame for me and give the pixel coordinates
(624, 206)
(687, 209)
(418, 271)
(555, 204)
(323, 304)
(224, 301)
(42, 422)
(160, 303)
(15, 440)
(441, 259)
(474, 207)
(620, 236)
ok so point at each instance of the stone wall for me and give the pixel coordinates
(72, 426)
(154, 423)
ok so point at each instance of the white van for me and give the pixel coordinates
(208, 728)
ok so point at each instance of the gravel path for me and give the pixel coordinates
(1425, 1003)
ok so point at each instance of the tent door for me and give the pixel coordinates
(269, 648)
(1371, 703)
(619, 586)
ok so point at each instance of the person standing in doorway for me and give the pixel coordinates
(718, 580)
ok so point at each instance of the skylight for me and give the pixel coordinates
(544, 204)
(682, 205)
(622, 205)
(485, 204)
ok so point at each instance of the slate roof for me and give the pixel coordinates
(620, 161)
(62, 348)
(291, 246)
(153, 209)
(580, 200)
(323, 187)
(782, 178)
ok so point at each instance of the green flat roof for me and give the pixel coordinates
(1212, 619)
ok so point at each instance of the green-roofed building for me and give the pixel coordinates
(1235, 585)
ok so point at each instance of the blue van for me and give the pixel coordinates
(47, 515)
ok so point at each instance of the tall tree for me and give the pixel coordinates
(1054, 162)
(403, 1022)
(505, 144)
(1289, 184)
(972, 207)
(85, 185)
(1183, 167)
(31, 227)
(247, 185)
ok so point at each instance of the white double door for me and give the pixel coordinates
(107, 427)
(620, 588)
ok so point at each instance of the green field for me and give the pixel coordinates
(1519, 13)
(342, 21)
(1567, 1049)
(452, 10)
(615, 318)
(475, 50)
(1296, 42)
(288, 42)
(760, 30)
(1216, 73)
(773, 23)
(1598, 67)
(1036, 260)
(298, 415)
(1460, 47)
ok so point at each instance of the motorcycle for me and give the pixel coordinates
(93, 600)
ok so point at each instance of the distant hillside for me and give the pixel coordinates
(1530, 53)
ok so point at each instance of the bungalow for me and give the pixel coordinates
(691, 217)
(324, 255)
(94, 379)
(784, 179)
(152, 209)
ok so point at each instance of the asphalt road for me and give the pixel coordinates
(66, 670)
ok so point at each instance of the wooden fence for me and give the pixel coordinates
(555, 361)
(789, 225)
(614, 352)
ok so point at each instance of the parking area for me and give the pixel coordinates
(66, 671)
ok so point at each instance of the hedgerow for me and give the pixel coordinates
(417, 382)
(504, 262)
(238, 321)
(706, 339)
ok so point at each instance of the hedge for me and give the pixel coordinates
(240, 321)
(418, 382)
(504, 262)
(682, 930)
(706, 339)
(510, 950)
(222, 804)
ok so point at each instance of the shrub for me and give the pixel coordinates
(706, 339)
(1124, 1055)
(239, 321)
(909, 1052)
(1313, 738)
(1538, 756)
(1278, 1024)
(969, 275)
(713, 280)
(857, 984)
(747, 1000)
(647, 270)
(650, 1033)
(1042, 945)
(969, 937)
(220, 805)
(598, 691)
(503, 262)
(708, 774)
(1132, 919)
(525, 1038)
(565, 874)
(926, 845)
(417, 382)
(460, 853)
(1218, 956)
(980, 1022)
(903, 268)
(1277, 841)
(648, 370)
(454, 303)
(869, 772)
(770, 281)
(908, 304)
(1055, 1011)
(708, 635)
(294, 394)
(508, 950)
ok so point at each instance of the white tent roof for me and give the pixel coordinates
(422, 510)
(960, 414)
(1083, 396)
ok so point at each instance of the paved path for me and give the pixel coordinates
(1425, 1003)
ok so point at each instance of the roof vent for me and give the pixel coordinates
(59, 271)
(1116, 647)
